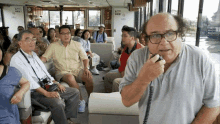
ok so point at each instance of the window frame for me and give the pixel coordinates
(2, 17)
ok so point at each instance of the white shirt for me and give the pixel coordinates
(18, 61)
(85, 44)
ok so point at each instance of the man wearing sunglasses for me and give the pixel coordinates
(184, 85)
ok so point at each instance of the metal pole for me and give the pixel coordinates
(169, 6)
(199, 22)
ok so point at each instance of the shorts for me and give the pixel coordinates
(78, 78)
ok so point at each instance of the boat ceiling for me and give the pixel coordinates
(69, 3)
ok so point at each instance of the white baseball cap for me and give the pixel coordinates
(102, 25)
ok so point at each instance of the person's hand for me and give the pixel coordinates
(52, 95)
(151, 69)
(90, 53)
(17, 97)
(87, 73)
(61, 88)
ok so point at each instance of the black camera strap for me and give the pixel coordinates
(30, 64)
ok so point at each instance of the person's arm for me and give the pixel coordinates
(206, 115)
(24, 87)
(48, 53)
(105, 40)
(133, 92)
(94, 36)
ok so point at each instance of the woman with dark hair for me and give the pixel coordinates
(78, 34)
(9, 78)
(42, 35)
(51, 35)
(42, 31)
(85, 41)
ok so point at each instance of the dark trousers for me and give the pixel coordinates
(60, 110)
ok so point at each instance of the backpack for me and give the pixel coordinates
(98, 34)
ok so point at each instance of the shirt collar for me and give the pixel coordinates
(133, 48)
(61, 43)
(28, 55)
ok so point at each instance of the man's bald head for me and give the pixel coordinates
(159, 20)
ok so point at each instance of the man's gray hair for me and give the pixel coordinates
(22, 33)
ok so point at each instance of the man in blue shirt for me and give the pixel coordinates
(100, 36)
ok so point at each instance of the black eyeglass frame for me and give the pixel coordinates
(147, 37)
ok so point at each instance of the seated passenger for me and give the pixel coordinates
(40, 45)
(128, 39)
(86, 45)
(9, 78)
(33, 69)
(100, 36)
(57, 31)
(42, 35)
(78, 34)
(68, 57)
(20, 29)
(51, 35)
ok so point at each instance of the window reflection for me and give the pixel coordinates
(190, 14)
(210, 29)
(94, 18)
(0, 18)
(155, 7)
(174, 7)
(54, 18)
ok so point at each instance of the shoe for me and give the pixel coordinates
(94, 71)
(82, 106)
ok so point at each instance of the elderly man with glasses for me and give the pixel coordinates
(182, 88)
(33, 69)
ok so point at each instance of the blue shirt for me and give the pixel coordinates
(9, 112)
(100, 37)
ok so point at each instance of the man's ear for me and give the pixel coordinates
(19, 43)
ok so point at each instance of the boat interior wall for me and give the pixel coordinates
(120, 17)
(14, 16)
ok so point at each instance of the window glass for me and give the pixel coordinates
(0, 18)
(94, 18)
(165, 5)
(79, 18)
(67, 18)
(54, 18)
(190, 15)
(45, 18)
(210, 28)
(174, 7)
(155, 7)
(147, 11)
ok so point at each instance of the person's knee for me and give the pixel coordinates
(59, 104)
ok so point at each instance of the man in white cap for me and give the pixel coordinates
(100, 36)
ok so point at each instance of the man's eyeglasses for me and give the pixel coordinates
(65, 33)
(156, 38)
(28, 40)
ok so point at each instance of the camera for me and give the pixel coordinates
(44, 84)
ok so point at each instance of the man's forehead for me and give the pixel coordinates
(27, 35)
(161, 23)
(64, 30)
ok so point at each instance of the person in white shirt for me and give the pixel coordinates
(33, 69)
(85, 41)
